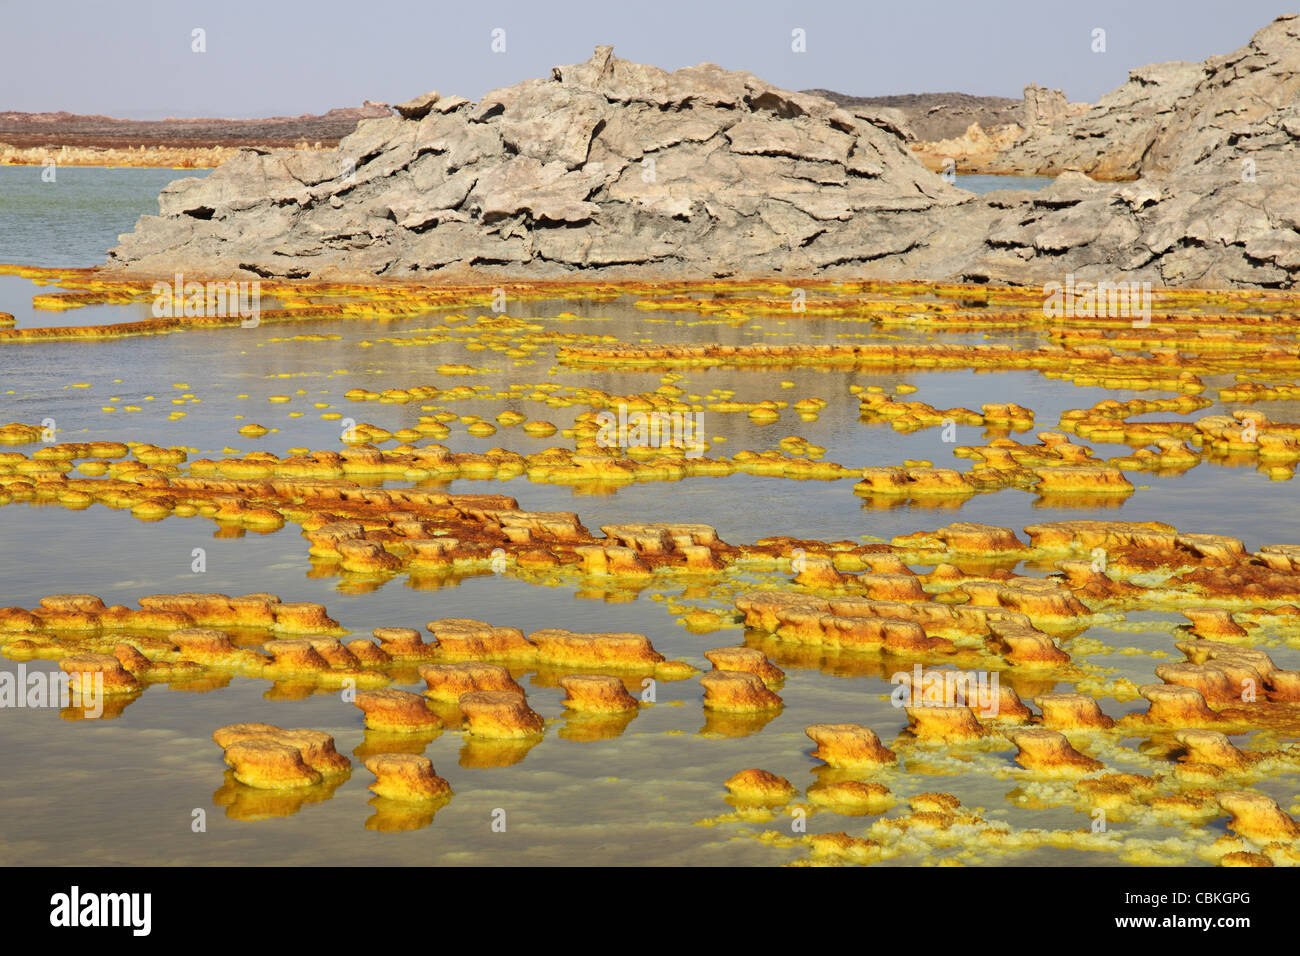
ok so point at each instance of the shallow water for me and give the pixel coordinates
(987, 184)
(75, 218)
(126, 790)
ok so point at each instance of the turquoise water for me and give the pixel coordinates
(987, 184)
(76, 219)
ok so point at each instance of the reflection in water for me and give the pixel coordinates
(375, 742)
(400, 816)
(724, 724)
(204, 683)
(110, 708)
(1077, 501)
(586, 727)
(243, 802)
(485, 752)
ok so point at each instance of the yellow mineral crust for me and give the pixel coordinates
(1243, 858)
(210, 646)
(1213, 623)
(1211, 682)
(1246, 669)
(1214, 749)
(267, 764)
(807, 619)
(849, 747)
(760, 788)
(841, 846)
(851, 797)
(459, 638)
(556, 647)
(1257, 817)
(396, 711)
(403, 644)
(447, 682)
(1025, 646)
(295, 657)
(499, 714)
(406, 777)
(962, 537)
(596, 693)
(1072, 712)
(87, 670)
(746, 659)
(737, 692)
(368, 654)
(1114, 791)
(1046, 750)
(1172, 706)
(315, 747)
(949, 724)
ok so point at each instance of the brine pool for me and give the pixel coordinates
(128, 790)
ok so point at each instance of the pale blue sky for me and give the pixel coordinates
(285, 57)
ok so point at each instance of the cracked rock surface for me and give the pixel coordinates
(616, 169)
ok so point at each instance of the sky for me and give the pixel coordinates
(135, 58)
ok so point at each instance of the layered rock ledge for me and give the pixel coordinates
(612, 169)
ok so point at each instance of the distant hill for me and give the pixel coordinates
(935, 116)
(27, 130)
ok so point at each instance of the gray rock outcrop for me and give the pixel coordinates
(1043, 107)
(604, 164)
(613, 169)
(1166, 111)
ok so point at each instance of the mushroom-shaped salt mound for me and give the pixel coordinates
(747, 659)
(406, 777)
(1211, 681)
(304, 618)
(267, 764)
(1026, 646)
(737, 692)
(207, 645)
(1215, 749)
(948, 724)
(295, 657)
(1048, 751)
(595, 693)
(333, 651)
(1213, 623)
(631, 652)
(849, 746)
(314, 746)
(499, 714)
(1257, 818)
(93, 674)
(1072, 712)
(818, 571)
(368, 653)
(760, 788)
(396, 710)
(447, 682)
(1174, 706)
(463, 638)
(403, 644)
